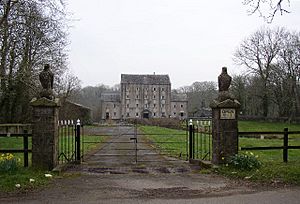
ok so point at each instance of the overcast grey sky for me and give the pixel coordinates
(191, 40)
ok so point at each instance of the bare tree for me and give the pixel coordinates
(32, 33)
(199, 94)
(258, 53)
(268, 8)
(288, 74)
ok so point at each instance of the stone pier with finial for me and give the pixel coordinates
(45, 128)
(224, 121)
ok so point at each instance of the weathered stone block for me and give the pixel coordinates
(45, 134)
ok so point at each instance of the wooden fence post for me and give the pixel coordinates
(285, 144)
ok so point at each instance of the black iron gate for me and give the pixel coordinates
(200, 138)
(128, 144)
(69, 141)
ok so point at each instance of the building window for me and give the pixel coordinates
(181, 106)
(154, 105)
(162, 97)
(127, 114)
(154, 114)
(137, 88)
(137, 114)
(127, 96)
(174, 106)
(154, 89)
(162, 105)
(127, 105)
(174, 113)
(146, 105)
(115, 113)
(114, 105)
(162, 89)
(163, 114)
(181, 114)
(137, 96)
(137, 105)
(146, 96)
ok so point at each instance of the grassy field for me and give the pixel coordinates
(169, 141)
(22, 175)
(273, 168)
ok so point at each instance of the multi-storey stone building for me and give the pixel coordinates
(144, 96)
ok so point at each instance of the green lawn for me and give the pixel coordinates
(247, 126)
(168, 141)
(273, 168)
(22, 175)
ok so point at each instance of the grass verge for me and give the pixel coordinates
(273, 169)
(23, 179)
(29, 178)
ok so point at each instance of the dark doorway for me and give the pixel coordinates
(107, 116)
(146, 114)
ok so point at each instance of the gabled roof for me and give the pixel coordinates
(145, 79)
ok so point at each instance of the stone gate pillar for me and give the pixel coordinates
(224, 122)
(45, 133)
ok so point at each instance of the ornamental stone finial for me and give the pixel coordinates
(224, 81)
(46, 78)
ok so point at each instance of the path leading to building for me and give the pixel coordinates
(117, 180)
(126, 152)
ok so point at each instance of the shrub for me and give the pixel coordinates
(245, 161)
(8, 163)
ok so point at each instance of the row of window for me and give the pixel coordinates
(146, 105)
(146, 89)
(163, 114)
(154, 114)
(145, 97)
